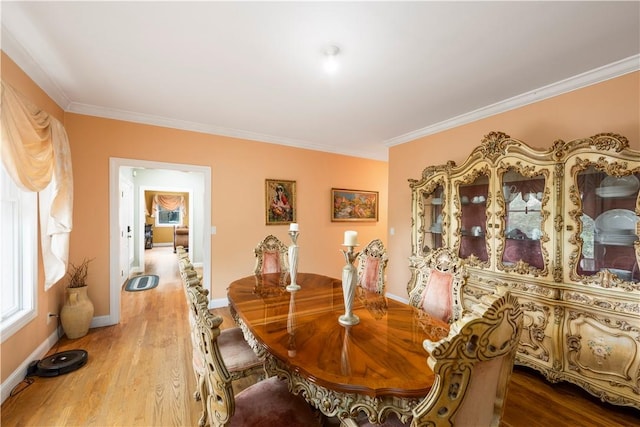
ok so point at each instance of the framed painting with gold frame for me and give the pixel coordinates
(280, 201)
(354, 205)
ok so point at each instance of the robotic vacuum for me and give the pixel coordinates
(58, 363)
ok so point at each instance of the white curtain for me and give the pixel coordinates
(35, 153)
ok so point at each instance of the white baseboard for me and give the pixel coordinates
(397, 298)
(100, 321)
(217, 303)
(21, 372)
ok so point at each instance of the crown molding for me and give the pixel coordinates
(128, 116)
(598, 75)
(30, 66)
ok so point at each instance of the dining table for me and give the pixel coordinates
(374, 368)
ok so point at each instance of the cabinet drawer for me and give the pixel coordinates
(603, 349)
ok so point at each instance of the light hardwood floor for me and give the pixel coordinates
(139, 374)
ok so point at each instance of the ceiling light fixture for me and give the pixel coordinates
(331, 64)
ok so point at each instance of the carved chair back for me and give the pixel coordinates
(198, 300)
(372, 263)
(440, 278)
(271, 256)
(473, 365)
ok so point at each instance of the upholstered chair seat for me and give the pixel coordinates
(241, 360)
(269, 403)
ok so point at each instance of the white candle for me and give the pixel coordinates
(350, 238)
(293, 226)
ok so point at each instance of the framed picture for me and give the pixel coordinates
(354, 205)
(280, 201)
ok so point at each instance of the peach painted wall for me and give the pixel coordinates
(19, 346)
(238, 169)
(611, 106)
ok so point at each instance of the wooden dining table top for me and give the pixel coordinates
(383, 355)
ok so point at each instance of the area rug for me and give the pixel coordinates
(142, 283)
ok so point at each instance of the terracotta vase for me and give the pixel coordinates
(76, 313)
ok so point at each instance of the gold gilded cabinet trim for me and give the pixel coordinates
(429, 171)
(494, 145)
(535, 328)
(601, 142)
(617, 306)
(558, 223)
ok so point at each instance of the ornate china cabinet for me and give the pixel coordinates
(560, 228)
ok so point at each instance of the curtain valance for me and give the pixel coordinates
(169, 202)
(35, 153)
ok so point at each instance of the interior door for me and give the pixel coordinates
(126, 228)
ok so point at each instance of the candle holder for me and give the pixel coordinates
(349, 287)
(293, 261)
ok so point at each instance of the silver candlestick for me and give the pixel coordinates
(349, 287)
(293, 261)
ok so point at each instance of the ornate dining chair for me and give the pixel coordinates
(187, 270)
(242, 360)
(267, 403)
(472, 365)
(271, 256)
(372, 263)
(441, 276)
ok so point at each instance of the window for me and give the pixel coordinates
(18, 255)
(166, 217)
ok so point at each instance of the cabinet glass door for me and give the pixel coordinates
(609, 224)
(473, 218)
(523, 219)
(433, 203)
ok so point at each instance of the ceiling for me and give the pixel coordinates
(253, 69)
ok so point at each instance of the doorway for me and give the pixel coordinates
(142, 173)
